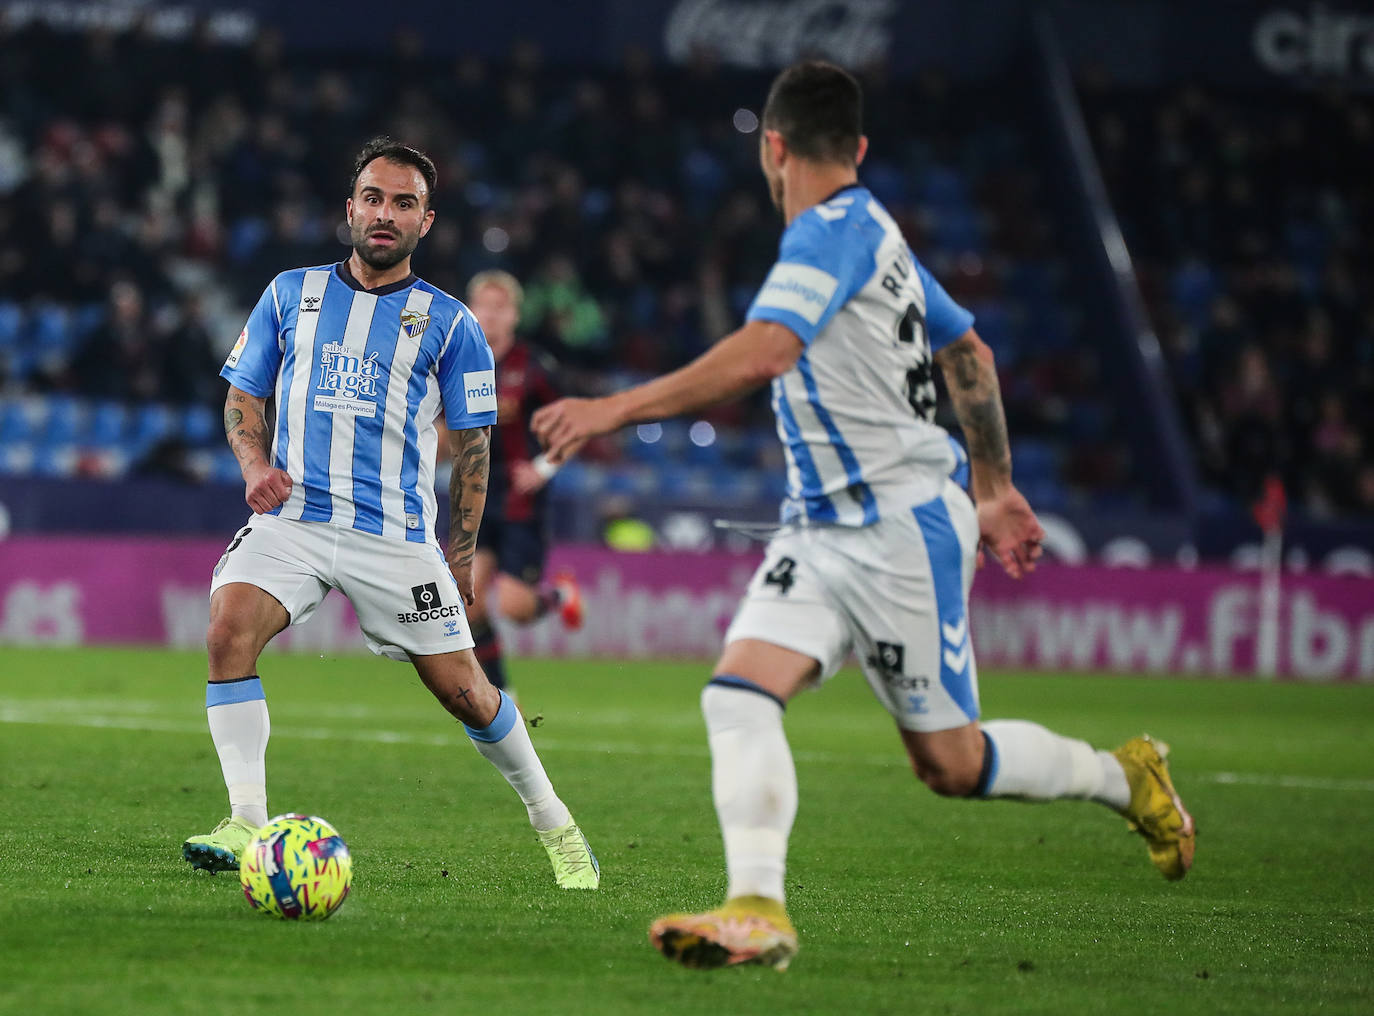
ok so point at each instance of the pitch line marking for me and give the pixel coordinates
(61, 713)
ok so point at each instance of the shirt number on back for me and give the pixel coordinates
(780, 575)
(920, 380)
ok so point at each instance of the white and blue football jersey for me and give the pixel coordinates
(359, 377)
(856, 413)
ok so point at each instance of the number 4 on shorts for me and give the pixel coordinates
(780, 575)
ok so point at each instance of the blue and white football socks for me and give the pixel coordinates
(753, 782)
(1032, 763)
(239, 726)
(505, 743)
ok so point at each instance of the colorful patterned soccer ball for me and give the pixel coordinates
(297, 867)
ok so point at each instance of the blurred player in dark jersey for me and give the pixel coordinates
(511, 545)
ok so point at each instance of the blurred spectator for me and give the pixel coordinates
(1249, 223)
(560, 312)
(121, 359)
(160, 191)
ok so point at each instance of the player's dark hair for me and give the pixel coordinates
(817, 107)
(382, 147)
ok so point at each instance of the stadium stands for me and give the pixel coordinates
(628, 201)
(1249, 216)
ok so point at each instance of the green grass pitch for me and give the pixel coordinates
(905, 903)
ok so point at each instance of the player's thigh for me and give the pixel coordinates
(271, 575)
(243, 617)
(788, 631)
(404, 595)
(907, 592)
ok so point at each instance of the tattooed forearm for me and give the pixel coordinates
(245, 425)
(977, 399)
(467, 491)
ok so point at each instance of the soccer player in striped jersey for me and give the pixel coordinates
(359, 358)
(878, 545)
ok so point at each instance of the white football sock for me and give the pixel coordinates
(1036, 764)
(239, 726)
(506, 745)
(754, 784)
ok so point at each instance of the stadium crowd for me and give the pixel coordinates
(144, 203)
(1250, 220)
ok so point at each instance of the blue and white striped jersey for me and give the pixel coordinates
(856, 413)
(359, 378)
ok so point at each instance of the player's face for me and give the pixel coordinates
(387, 213)
(497, 314)
(771, 171)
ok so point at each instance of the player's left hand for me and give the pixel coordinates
(462, 575)
(1010, 532)
(563, 427)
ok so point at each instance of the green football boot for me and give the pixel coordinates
(219, 850)
(574, 864)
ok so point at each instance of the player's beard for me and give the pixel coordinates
(382, 258)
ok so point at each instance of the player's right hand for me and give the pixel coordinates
(563, 427)
(1010, 532)
(265, 487)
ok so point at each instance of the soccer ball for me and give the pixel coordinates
(297, 867)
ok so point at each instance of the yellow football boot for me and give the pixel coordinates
(748, 929)
(1155, 811)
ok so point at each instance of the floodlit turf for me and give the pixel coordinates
(905, 903)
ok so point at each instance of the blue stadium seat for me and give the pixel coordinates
(199, 426)
(150, 425)
(943, 187)
(1034, 460)
(993, 321)
(888, 182)
(55, 460)
(66, 419)
(15, 424)
(11, 324)
(957, 229)
(16, 457)
(224, 468)
(106, 425)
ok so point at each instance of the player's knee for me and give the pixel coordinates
(229, 645)
(950, 776)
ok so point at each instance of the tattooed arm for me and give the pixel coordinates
(245, 425)
(1006, 523)
(467, 497)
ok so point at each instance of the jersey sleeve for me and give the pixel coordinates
(467, 376)
(253, 363)
(819, 268)
(945, 319)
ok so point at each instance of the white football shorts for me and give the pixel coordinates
(403, 593)
(894, 592)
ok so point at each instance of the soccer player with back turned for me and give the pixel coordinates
(878, 546)
(360, 358)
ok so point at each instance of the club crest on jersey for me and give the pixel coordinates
(348, 383)
(414, 323)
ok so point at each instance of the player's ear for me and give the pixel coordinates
(348, 210)
(862, 150)
(776, 145)
(427, 221)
